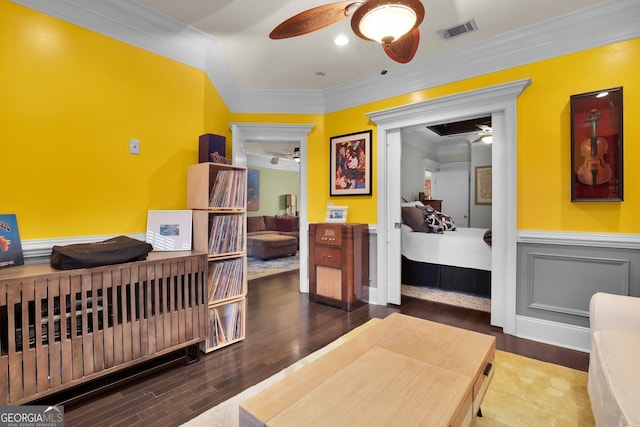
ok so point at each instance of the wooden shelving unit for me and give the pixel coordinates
(217, 195)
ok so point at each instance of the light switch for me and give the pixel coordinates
(134, 146)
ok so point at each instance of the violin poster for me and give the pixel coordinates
(596, 146)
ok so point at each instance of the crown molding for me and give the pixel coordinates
(602, 24)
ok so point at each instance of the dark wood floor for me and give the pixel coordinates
(282, 327)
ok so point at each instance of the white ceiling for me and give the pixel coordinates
(241, 29)
(313, 62)
(229, 40)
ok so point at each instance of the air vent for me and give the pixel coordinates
(458, 30)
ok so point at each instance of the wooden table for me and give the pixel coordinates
(400, 371)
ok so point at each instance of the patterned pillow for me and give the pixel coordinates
(439, 222)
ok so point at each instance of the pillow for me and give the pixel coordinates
(439, 222)
(283, 223)
(269, 221)
(409, 204)
(414, 218)
(487, 237)
(255, 223)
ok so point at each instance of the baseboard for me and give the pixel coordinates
(554, 333)
(38, 251)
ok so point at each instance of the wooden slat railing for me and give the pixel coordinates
(62, 328)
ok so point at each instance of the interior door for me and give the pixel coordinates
(394, 218)
(452, 187)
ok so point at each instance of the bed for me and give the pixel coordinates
(457, 260)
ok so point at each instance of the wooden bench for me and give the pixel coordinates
(59, 329)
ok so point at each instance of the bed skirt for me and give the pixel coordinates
(461, 279)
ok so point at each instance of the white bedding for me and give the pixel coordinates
(464, 247)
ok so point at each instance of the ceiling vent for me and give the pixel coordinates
(458, 30)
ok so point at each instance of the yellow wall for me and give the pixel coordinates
(72, 99)
(544, 163)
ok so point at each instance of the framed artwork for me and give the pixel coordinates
(596, 146)
(336, 214)
(483, 185)
(253, 190)
(350, 163)
(169, 230)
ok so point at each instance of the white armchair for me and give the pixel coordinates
(614, 364)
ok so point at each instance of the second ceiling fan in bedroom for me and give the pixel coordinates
(392, 23)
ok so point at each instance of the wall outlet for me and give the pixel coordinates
(134, 146)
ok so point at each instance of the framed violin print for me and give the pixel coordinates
(596, 146)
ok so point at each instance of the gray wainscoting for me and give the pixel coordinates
(557, 273)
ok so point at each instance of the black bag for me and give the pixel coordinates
(111, 251)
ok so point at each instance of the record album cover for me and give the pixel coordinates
(10, 245)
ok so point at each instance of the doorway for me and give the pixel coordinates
(243, 133)
(500, 103)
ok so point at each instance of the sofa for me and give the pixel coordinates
(614, 370)
(272, 236)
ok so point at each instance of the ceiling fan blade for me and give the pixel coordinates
(312, 20)
(403, 49)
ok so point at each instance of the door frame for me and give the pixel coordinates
(500, 102)
(242, 133)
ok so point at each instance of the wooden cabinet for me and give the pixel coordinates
(217, 194)
(62, 328)
(435, 204)
(339, 264)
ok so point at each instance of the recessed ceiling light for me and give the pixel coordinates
(341, 40)
(320, 73)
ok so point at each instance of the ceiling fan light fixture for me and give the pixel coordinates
(296, 154)
(387, 20)
(487, 139)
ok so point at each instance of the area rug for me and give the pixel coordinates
(226, 414)
(459, 299)
(524, 392)
(257, 267)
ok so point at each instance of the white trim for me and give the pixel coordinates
(124, 20)
(554, 333)
(500, 102)
(599, 240)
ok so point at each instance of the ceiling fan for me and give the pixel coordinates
(392, 23)
(485, 135)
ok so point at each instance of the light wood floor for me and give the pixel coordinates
(282, 327)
